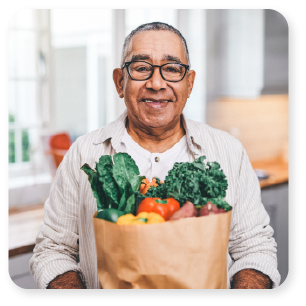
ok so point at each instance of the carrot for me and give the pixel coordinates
(145, 185)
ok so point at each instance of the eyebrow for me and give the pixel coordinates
(172, 58)
(167, 57)
(138, 57)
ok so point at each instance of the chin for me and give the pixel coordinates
(153, 118)
(156, 121)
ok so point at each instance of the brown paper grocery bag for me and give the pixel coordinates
(188, 253)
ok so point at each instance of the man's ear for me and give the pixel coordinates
(191, 76)
(118, 80)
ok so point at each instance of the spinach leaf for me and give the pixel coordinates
(105, 169)
(115, 185)
(125, 170)
(126, 174)
(96, 186)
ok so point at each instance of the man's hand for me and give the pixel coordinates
(68, 280)
(251, 279)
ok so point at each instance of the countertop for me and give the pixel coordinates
(277, 168)
(24, 223)
(24, 226)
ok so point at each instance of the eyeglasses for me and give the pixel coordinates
(142, 71)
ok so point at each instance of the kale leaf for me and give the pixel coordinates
(154, 192)
(196, 182)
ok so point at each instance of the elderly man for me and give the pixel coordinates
(155, 82)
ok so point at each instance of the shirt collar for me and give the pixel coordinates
(193, 137)
(115, 130)
(112, 131)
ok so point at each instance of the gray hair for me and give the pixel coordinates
(153, 26)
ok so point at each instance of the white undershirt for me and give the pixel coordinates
(155, 164)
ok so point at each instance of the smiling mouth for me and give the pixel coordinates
(155, 101)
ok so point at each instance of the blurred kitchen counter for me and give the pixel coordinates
(276, 168)
(24, 224)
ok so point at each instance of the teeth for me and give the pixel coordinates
(150, 101)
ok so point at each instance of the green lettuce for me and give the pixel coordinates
(114, 185)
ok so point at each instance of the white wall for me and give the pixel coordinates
(69, 110)
(192, 24)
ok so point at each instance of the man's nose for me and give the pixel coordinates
(156, 81)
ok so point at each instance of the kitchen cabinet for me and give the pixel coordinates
(247, 53)
(276, 72)
(275, 201)
(235, 52)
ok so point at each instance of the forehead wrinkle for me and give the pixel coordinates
(130, 57)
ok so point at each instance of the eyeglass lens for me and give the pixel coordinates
(170, 72)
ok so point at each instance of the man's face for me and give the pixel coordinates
(156, 103)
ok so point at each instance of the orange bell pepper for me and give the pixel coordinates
(166, 208)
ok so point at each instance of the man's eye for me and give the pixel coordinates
(173, 69)
(140, 69)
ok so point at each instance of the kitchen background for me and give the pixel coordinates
(60, 87)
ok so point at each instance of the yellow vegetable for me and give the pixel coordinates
(141, 218)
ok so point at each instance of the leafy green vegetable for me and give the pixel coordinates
(96, 186)
(114, 185)
(196, 182)
(154, 192)
(104, 168)
(125, 170)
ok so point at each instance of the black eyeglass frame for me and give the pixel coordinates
(127, 64)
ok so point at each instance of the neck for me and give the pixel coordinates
(156, 140)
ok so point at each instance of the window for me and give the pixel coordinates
(83, 63)
(28, 86)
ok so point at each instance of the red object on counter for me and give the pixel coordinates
(59, 145)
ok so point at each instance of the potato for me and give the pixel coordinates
(210, 209)
(186, 211)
